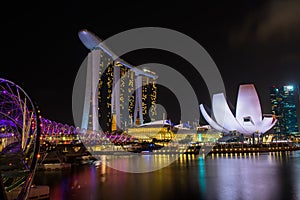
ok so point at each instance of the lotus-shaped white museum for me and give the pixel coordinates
(248, 118)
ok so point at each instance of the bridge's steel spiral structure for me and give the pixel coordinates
(53, 128)
(88, 137)
(22, 132)
(19, 134)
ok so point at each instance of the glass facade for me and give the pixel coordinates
(284, 100)
(126, 95)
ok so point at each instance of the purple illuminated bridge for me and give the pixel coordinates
(23, 131)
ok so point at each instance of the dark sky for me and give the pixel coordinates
(250, 41)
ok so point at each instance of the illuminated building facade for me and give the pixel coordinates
(149, 96)
(284, 100)
(137, 96)
(117, 95)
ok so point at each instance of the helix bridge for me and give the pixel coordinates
(19, 134)
(23, 133)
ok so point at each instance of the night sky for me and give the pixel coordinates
(250, 41)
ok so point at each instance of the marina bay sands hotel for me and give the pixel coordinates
(117, 95)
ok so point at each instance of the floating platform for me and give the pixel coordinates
(54, 166)
(227, 148)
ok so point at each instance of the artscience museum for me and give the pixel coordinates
(248, 118)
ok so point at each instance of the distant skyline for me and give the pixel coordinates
(250, 42)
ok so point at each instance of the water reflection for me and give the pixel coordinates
(202, 177)
(254, 176)
(139, 163)
(231, 176)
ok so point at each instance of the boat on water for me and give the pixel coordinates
(142, 147)
(96, 163)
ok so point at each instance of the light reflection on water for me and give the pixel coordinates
(272, 175)
(137, 163)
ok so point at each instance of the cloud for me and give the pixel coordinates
(276, 20)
